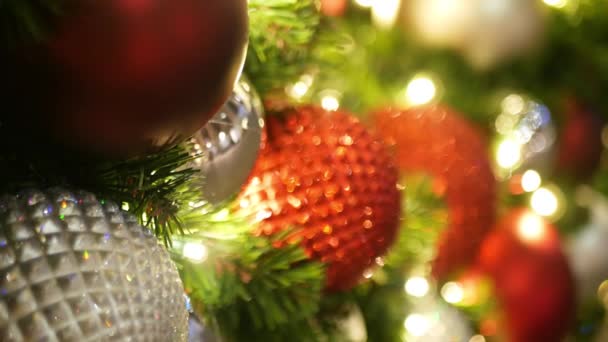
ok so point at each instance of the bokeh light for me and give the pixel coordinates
(195, 251)
(556, 3)
(385, 12)
(417, 286)
(365, 3)
(513, 104)
(452, 292)
(530, 181)
(508, 154)
(417, 324)
(531, 228)
(421, 90)
(544, 202)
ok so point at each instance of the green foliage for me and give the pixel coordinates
(281, 35)
(248, 288)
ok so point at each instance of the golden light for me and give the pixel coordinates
(452, 292)
(477, 338)
(530, 181)
(531, 228)
(556, 3)
(195, 251)
(417, 286)
(421, 90)
(417, 324)
(330, 102)
(513, 104)
(385, 12)
(299, 89)
(508, 154)
(364, 3)
(544, 202)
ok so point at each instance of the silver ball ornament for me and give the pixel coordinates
(227, 147)
(73, 268)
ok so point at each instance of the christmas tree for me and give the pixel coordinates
(309, 170)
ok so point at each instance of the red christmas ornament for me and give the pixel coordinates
(333, 8)
(325, 173)
(438, 141)
(533, 282)
(580, 144)
(127, 76)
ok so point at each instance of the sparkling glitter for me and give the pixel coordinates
(85, 255)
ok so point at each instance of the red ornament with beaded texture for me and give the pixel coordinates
(438, 141)
(327, 175)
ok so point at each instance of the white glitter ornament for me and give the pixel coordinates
(228, 145)
(73, 268)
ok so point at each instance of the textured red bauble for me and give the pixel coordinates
(122, 77)
(326, 175)
(438, 141)
(533, 282)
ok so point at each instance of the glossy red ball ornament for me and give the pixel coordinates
(438, 141)
(324, 174)
(533, 282)
(580, 143)
(122, 77)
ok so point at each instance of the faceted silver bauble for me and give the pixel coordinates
(73, 268)
(228, 145)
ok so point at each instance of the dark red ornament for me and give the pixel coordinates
(533, 282)
(580, 142)
(122, 77)
(326, 175)
(438, 141)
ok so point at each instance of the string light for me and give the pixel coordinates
(195, 251)
(530, 181)
(531, 228)
(421, 90)
(299, 89)
(385, 12)
(452, 292)
(544, 202)
(417, 286)
(556, 3)
(417, 324)
(508, 154)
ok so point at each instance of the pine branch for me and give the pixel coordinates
(281, 34)
(247, 287)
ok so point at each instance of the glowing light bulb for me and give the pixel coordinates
(452, 292)
(544, 202)
(508, 154)
(421, 90)
(385, 12)
(556, 3)
(330, 102)
(364, 3)
(531, 228)
(417, 324)
(417, 286)
(195, 251)
(530, 181)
